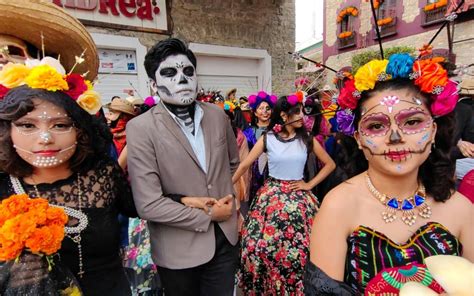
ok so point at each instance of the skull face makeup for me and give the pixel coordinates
(12, 50)
(401, 134)
(45, 137)
(176, 80)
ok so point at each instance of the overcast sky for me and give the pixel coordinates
(309, 22)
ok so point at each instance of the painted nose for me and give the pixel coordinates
(45, 137)
(183, 80)
(395, 137)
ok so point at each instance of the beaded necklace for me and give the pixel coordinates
(73, 232)
(406, 206)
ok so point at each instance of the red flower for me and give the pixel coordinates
(346, 98)
(280, 255)
(3, 91)
(77, 85)
(270, 230)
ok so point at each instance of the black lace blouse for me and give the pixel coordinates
(103, 193)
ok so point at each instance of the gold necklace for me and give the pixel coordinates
(406, 206)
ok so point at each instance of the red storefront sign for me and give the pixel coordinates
(139, 15)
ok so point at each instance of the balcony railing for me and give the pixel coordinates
(434, 16)
(347, 42)
(388, 29)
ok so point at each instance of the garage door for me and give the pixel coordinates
(245, 85)
(121, 85)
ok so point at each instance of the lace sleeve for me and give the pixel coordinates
(318, 283)
(123, 192)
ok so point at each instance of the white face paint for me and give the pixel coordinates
(176, 80)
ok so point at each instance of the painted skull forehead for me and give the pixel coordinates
(176, 80)
(46, 111)
(389, 110)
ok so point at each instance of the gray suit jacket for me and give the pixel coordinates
(160, 162)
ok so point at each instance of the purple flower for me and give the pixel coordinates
(345, 122)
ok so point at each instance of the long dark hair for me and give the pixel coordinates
(253, 117)
(93, 136)
(282, 105)
(437, 172)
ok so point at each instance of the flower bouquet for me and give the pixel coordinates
(31, 233)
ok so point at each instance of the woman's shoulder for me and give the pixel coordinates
(459, 204)
(345, 197)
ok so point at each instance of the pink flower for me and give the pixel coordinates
(292, 100)
(445, 102)
(150, 101)
(132, 253)
(273, 99)
(277, 128)
(262, 94)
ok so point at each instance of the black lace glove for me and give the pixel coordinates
(318, 283)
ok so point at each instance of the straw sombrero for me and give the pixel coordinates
(63, 34)
(121, 105)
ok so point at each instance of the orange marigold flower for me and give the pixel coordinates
(430, 75)
(56, 216)
(16, 204)
(17, 228)
(9, 250)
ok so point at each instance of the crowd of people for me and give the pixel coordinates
(194, 193)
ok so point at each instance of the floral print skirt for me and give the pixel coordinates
(275, 240)
(142, 273)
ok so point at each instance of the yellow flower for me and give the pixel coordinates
(71, 291)
(46, 77)
(367, 75)
(89, 84)
(13, 75)
(90, 101)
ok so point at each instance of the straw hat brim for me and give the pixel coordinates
(234, 90)
(63, 34)
(467, 86)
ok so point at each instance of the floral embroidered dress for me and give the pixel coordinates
(275, 237)
(370, 254)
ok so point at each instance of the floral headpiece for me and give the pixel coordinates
(227, 106)
(301, 82)
(296, 98)
(427, 74)
(261, 96)
(49, 74)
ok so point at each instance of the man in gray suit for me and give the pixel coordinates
(181, 157)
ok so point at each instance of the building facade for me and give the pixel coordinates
(238, 43)
(349, 28)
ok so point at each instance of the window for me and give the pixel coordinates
(387, 8)
(434, 12)
(345, 24)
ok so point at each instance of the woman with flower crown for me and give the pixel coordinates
(55, 148)
(373, 231)
(275, 237)
(261, 105)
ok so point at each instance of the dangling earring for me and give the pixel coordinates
(433, 146)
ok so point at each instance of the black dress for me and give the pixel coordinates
(104, 193)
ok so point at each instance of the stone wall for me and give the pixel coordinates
(463, 50)
(259, 24)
